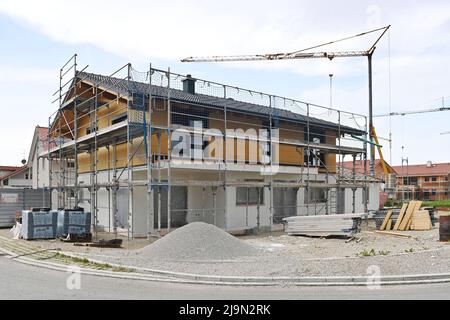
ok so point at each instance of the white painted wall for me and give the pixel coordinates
(374, 199)
(239, 217)
(236, 217)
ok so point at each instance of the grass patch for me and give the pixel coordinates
(373, 253)
(89, 264)
(410, 250)
(443, 203)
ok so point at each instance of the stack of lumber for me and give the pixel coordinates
(410, 218)
(324, 226)
(421, 221)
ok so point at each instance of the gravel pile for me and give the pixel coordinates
(198, 242)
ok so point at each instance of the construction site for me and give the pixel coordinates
(146, 152)
(166, 177)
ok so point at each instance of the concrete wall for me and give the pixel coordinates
(374, 199)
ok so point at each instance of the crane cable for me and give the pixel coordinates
(337, 41)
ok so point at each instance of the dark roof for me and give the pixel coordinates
(121, 86)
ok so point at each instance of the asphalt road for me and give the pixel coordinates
(19, 281)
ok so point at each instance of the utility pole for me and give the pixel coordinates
(405, 189)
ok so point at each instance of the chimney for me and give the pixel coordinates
(429, 164)
(189, 84)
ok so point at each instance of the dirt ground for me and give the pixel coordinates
(301, 247)
(282, 255)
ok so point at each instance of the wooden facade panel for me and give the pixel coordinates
(288, 154)
(291, 155)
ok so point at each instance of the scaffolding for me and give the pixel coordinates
(112, 144)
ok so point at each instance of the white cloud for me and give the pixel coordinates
(171, 30)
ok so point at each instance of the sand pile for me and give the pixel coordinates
(198, 242)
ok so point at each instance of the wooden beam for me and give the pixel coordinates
(386, 221)
(389, 225)
(395, 234)
(401, 216)
(409, 213)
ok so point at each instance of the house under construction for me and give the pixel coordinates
(150, 151)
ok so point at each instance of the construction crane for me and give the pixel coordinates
(407, 113)
(380, 152)
(444, 133)
(304, 54)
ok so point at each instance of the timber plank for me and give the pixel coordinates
(408, 215)
(401, 216)
(386, 221)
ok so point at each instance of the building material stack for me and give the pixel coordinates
(324, 226)
(410, 218)
(74, 222)
(39, 224)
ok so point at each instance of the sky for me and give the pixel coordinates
(411, 63)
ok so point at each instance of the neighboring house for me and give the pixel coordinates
(39, 164)
(129, 177)
(426, 182)
(5, 170)
(362, 168)
(21, 178)
(387, 184)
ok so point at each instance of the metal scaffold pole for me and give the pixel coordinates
(308, 150)
(50, 164)
(150, 207)
(75, 146)
(366, 204)
(272, 155)
(225, 158)
(130, 157)
(115, 188)
(169, 153)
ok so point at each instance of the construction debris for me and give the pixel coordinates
(110, 244)
(77, 238)
(324, 226)
(396, 234)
